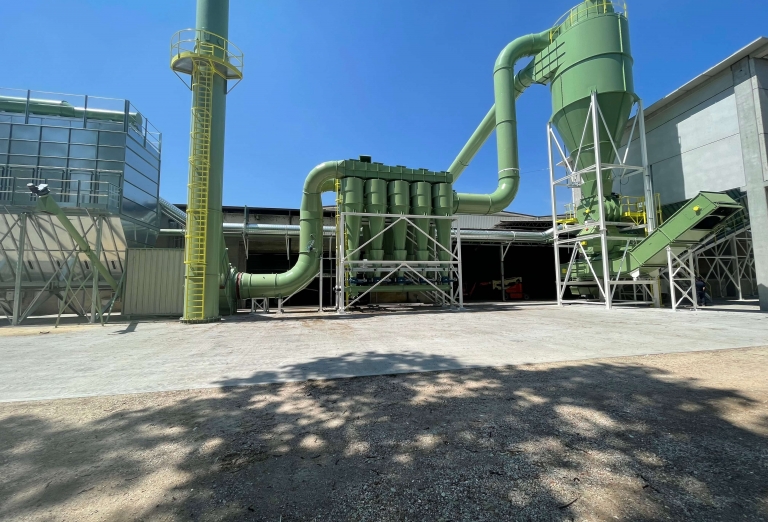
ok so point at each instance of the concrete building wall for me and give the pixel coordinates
(693, 145)
(750, 88)
(713, 137)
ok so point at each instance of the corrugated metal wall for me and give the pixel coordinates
(154, 282)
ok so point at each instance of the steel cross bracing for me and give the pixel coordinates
(562, 234)
(414, 271)
(682, 280)
(38, 259)
(727, 260)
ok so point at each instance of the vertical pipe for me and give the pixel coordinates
(503, 290)
(671, 279)
(461, 277)
(554, 213)
(736, 267)
(692, 279)
(95, 288)
(26, 108)
(126, 112)
(601, 202)
(650, 200)
(19, 269)
(340, 269)
(320, 290)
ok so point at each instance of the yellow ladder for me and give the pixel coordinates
(197, 206)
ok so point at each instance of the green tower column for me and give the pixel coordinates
(205, 54)
(213, 16)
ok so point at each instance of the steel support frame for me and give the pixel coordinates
(679, 270)
(26, 222)
(503, 254)
(736, 266)
(345, 265)
(573, 179)
(729, 260)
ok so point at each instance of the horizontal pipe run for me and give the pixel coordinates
(512, 236)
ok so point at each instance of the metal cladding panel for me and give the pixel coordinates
(154, 282)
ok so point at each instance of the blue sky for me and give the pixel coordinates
(402, 80)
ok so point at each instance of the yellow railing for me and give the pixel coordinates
(634, 209)
(188, 44)
(570, 215)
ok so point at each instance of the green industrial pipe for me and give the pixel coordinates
(506, 89)
(64, 109)
(48, 205)
(310, 243)
(474, 144)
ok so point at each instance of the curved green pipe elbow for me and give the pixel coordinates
(310, 242)
(506, 87)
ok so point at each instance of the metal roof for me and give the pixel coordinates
(758, 49)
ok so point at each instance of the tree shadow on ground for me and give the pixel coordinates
(561, 442)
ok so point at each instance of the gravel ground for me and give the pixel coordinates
(679, 436)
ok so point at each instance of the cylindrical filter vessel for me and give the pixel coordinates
(421, 205)
(442, 202)
(376, 203)
(352, 201)
(398, 192)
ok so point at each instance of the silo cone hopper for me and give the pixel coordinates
(398, 192)
(421, 205)
(352, 191)
(376, 203)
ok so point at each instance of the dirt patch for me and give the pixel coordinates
(682, 436)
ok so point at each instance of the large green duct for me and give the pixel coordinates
(506, 130)
(310, 243)
(38, 107)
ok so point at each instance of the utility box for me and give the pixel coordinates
(154, 282)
